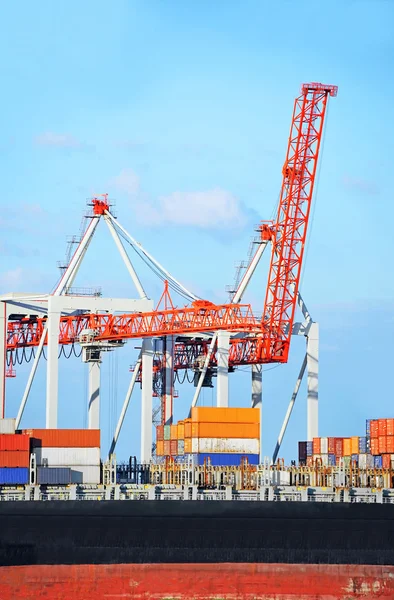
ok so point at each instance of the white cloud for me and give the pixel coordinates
(60, 140)
(127, 181)
(11, 279)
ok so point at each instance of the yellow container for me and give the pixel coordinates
(347, 446)
(174, 432)
(226, 430)
(160, 448)
(188, 428)
(188, 445)
(354, 444)
(225, 415)
(181, 430)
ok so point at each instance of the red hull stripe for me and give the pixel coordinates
(192, 581)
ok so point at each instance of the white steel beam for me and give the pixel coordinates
(249, 272)
(146, 399)
(204, 369)
(257, 396)
(94, 395)
(3, 355)
(125, 407)
(52, 387)
(125, 257)
(312, 352)
(168, 356)
(222, 370)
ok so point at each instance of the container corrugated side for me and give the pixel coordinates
(354, 444)
(234, 445)
(374, 427)
(390, 426)
(14, 458)
(159, 433)
(14, 475)
(188, 428)
(324, 445)
(386, 461)
(167, 432)
(215, 414)
(7, 425)
(14, 442)
(181, 430)
(84, 474)
(174, 432)
(225, 459)
(188, 445)
(390, 444)
(64, 438)
(331, 445)
(226, 430)
(160, 448)
(347, 446)
(382, 444)
(382, 427)
(53, 475)
(166, 448)
(67, 457)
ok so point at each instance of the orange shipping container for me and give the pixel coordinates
(390, 444)
(10, 441)
(375, 446)
(338, 447)
(347, 447)
(174, 432)
(181, 430)
(354, 444)
(188, 428)
(382, 444)
(166, 448)
(160, 433)
(226, 430)
(64, 438)
(331, 445)
(174, 447)
(390, 426)
(382, 427)
(214, 414)
(374, 428)
(386, 461)
(14, 458)
(160, 448)
(188, 445)
(316, 445)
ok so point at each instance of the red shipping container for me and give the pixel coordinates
(331, 445)
(10, 441)
(64, 438)
(14, 458)
(390, 426)
(390, 444)
(338, 447)
(309, 461)
(382, 427)
(375, 446)
(316, 445)
(374, 428)
(166, 447)
(386, 461)
(173, 447)
(160, 433)
(382, 444)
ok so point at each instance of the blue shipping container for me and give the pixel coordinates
(368, 427)
(331, 460)
(309, 448)
(54, 475)
(362, 445)
(14, 475)
(226, 459)
(355, 458)
(378, 462)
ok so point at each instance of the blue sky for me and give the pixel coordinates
(170, 104)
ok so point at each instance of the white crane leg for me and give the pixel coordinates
(3, 353)
(52, 368)
(312, 351)
(169, 376)
(222, 374)
(204, 369)
(257, 396)
(146, 398)
(94, 396)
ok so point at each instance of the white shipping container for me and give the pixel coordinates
(362, 461)
(324, 445)
(7, 425)
(85, 474)
(67, 457)
(324, 459)
(235, 445)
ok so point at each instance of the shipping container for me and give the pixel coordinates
(226, 430)
(204, 445)
(7, 425)
(302, 451)
(53, 476)
(331, 445)
(374, 425)
(368, 427)
(354, 444)
(324, 459)
(390, 426)
(224, 459)
(375, 445)
(370, 459)
(181, 447)
(174, 432)
(309, 448)
(167, 432)
(181, 430)
(324, 445)
(64, 438)
(355, 458)
(382, 427)
(160, 448)
(316, 445)
(188, 428)
(347, 446)
(85, 474)
(331, 459)
(225, 415)
(67, 457)
(166, 447)
(382, 444)
(14, 458)
(14, 442)
(346, 461)
(173, 447)
(390, 444)
(188, 445)
(309, 461)
(362, 461)
(362, 445)
(377, 462)
(14, 475)
(159, 433)
(386, 461)
(338, 447)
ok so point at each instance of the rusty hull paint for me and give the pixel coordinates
(233, 581)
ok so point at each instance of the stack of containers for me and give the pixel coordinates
(382, 442)
(14, 455)
(66, 455)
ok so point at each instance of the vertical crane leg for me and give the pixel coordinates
(222, 374)
(168, 379)
(146, 398)
(257, 394)
(312, 351)
(3, 351)
(94, 396)
(52, 368)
